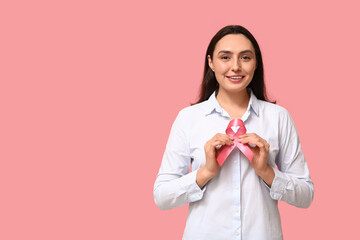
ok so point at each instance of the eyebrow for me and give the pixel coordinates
(242, 52)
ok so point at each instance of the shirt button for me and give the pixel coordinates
(235, 161)
(237, 210)
(237, 233)
(236, 187)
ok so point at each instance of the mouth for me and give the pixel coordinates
(235, 78)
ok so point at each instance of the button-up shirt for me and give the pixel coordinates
(236, 203)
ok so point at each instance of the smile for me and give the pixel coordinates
(235, 78)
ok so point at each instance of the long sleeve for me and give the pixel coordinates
(234, 204)
(292, 182)
(175, 185)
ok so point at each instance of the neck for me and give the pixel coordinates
(238, 100)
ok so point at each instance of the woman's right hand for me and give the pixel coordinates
(211, 151)
(212, 167)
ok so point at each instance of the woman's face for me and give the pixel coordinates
(234, 62)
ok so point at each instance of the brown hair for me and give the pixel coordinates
(209, 82)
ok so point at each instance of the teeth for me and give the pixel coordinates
(236, 77)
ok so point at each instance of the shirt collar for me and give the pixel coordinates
(213, 104)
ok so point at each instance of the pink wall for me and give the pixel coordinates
(89, 91)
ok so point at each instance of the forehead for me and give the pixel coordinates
(234, 43)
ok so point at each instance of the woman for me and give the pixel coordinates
(238, 200)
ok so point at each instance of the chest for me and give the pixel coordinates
(205, 129)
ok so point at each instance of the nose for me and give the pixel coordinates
(236, 65)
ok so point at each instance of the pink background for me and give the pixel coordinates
(89, 91)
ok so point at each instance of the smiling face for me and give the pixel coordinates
(234, 63)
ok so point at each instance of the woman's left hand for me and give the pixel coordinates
(260, 151)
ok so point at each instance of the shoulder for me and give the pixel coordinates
(277, 116)
(188, 117)
(193, 112)
(272, 109)
(274, 115)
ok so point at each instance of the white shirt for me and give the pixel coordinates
(236, 203)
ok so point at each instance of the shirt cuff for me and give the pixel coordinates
(266, 184)
(194, 192)
(278, 187)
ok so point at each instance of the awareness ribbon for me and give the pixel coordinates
(226, 149)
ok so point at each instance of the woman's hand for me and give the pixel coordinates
(260, 156)
(212, 167)
(260, 151)
(211, 151)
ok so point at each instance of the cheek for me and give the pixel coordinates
(222, 67)
(219, 76)
(251, 68)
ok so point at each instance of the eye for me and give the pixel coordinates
(246, 58)
(225, 57)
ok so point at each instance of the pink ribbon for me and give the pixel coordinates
(226, 149)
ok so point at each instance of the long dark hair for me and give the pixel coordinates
(209, 83)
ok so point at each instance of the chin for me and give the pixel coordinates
(235, 90)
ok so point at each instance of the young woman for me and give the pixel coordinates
(238, 200)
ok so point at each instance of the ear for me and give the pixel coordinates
(211, 65)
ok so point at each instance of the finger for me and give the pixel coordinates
(263, 146)
(252, 137)
(243, 140)
(253, 141)
(267, 146)
(219, 135)
(246, 141)
(248, 138)
(249, 135)
(220, 142)
(226, 138)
